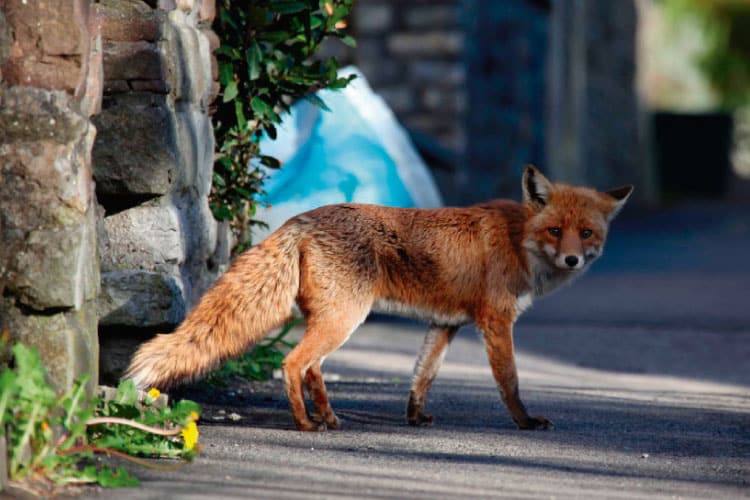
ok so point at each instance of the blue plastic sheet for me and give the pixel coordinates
(357, 152)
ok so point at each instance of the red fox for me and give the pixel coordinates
(449, 266)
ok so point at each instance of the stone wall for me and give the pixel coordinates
(467, 78)
(412, 55)
(50, 84)
(500, 84)
(117, 92)
(153, 157)
(506, 55)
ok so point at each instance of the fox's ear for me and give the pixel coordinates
(536, 187)
(620, 196)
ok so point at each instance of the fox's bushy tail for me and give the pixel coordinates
(254, 296)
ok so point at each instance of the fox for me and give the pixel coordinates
(483, 264)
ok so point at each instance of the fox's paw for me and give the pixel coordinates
(330, 421)
(535, 423)
(419, 419)
(333, 422)
(311, 426)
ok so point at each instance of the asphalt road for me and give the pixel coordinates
(643, 365)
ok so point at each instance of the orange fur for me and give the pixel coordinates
(449, 266)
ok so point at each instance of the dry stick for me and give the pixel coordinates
(131, 423)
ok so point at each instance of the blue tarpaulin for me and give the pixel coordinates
(356, 152)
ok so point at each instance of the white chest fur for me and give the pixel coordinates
(425, 314)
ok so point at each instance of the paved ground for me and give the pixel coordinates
(643, 365)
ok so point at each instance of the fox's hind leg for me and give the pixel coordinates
(324, 334)
(317, 389)
(428, 363)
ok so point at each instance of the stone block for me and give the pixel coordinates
(370, 49)
(400, 98)
(116, 87)
(49, 72)
(164, 4)
(89, 94)
(433, 16)
(442, 73)
(130, 21)
(5, 38)
(189, 60)
(140, 299)
(197, 221)
(185, 5)
(56, 267)
(155, 86)
(383, 72)
(147, 238)
(134, 152)
(443, 100)
(207, 12)
(63, 26)
(215, 89)
(66, 340)
(432, 43)
(373, 18)
(138, 60)
(48, 258)
(49, 44)
(194, 128)
(29, 114)
(213, 39)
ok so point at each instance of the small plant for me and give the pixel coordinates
(52, 439)
(725, 33)
(259, 363)
(265, 64)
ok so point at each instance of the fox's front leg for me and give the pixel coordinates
(497, 329)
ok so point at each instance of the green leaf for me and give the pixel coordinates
(244, 192)
(240, 113)
(317, 102)
(219, 180)
(253, 56)
(119, 478)
(270, 161)
(127, 393)
(227, 51)
(226, 73)
(260, 107)
(349, 40)
(288, 7)
(271, 131)
(230, 92)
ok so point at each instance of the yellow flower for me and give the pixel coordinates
(45, 426)
(190, 435)
(154, 393)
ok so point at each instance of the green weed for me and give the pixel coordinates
(54, 438)
(259, 363)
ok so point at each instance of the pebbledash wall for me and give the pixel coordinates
(104, 101)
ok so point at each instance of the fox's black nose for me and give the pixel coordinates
(571, 260)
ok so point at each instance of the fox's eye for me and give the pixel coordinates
(586, 233)
(555, 231)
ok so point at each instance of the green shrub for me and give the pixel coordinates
(265, 64)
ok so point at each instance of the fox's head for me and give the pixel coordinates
(567, 225)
